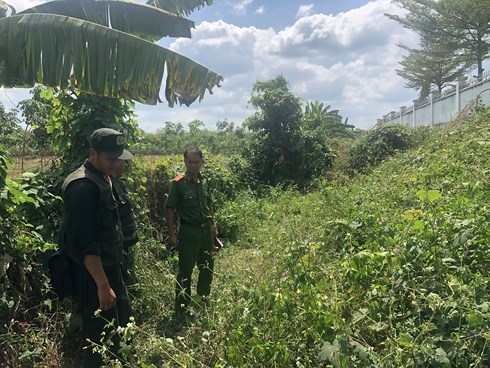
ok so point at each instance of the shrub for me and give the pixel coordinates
(379, 144)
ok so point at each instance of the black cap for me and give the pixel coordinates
(111, 142)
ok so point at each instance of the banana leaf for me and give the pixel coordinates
(128, 16)
(53, 49)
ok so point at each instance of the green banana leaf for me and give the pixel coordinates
(180, 7)
(52, 49)
(144, 21)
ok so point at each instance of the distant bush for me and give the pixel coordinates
(378, 145)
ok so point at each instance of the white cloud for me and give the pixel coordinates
(260, 10)
(304, 10)
(240, 6)
(347, 61)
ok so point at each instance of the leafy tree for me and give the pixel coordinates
(225, 126)
(462, 24)
(104, 48)
(275, 125)
(194, 126)
(75, 115)
(230, 139)
(167, 140)
(319, 130)
(281, 127)
(433, 64)
(468, 22)
(36, 112)
(10, 130)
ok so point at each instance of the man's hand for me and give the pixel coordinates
(172, 237)
(172, 242)
(107, 297)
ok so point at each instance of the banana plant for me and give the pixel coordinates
(103, 47)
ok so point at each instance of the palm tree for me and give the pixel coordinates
(103, 47)
(327, 123)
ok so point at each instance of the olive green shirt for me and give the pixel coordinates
(191, 200)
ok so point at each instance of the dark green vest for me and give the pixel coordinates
(126, 214)
(108, 232)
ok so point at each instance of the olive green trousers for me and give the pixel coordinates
(195, 247)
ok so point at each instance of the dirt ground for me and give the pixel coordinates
(22, 164)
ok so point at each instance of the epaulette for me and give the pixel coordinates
(179, 177)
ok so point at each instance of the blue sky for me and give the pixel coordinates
(342, 53)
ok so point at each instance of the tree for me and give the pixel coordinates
(468, 22)
(104, 48)
(76, 114)
(194, 126)
(462, 24)
(36, 112)
(320, 129)
(225, 126)
(433, 64)
(231, 139)
(10, 130)
(329, 124)
(275, 125)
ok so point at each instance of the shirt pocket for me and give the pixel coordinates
(108, 210)
(189, 194)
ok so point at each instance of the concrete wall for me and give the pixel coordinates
(441, 109)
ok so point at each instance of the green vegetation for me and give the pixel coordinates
(378, 145)
(45, 49)
(383, 269)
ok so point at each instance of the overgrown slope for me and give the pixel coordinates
(389, 269)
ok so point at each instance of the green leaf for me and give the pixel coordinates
(474, 320)
(138, 19)
(422, 194)
(45, 49)
(329, 352)
(405, 340)
(412, 214)
(433, 195)
(463, 237)
(419, 225)
(441, 356)
(47, 94)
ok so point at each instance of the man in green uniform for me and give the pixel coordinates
(190, 199)
(91, 236)
(279, 171)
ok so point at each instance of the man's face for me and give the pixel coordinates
(102, 162)
(193, 163)
(120, 168)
